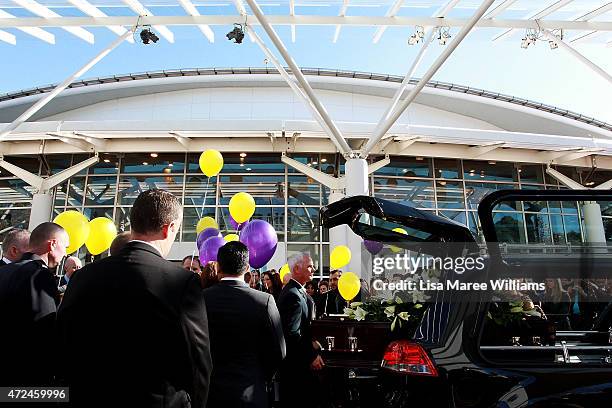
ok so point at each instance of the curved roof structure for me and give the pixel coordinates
(235, 108)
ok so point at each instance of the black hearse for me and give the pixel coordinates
(553, 348)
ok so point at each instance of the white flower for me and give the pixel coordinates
(349, 312)
(418, 297)
(360, 314)
(404, 315)
(356, 304)
(390, 311)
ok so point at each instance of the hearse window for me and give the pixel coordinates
(557, 308)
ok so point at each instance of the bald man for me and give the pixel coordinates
(71, 265)
(14, 245)
(28, 306)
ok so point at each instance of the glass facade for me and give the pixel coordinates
(290, 201)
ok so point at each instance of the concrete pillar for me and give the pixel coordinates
(42, 206)
(594, 231)
(356, 174)
(337, 235)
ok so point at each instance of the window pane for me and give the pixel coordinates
(608, 228)
(303, 224)
(234, 163)
(15, 193)
(406, 166)
(198, 188)
(558, 232)
(457, 216)
(303, 190)
(416, 193)
(266, 190)
(131, 186)
(122, 218)
(450, 194)
(56, 163)
(538, 228)
(169, 163)
(60, 195)
(572, 229)
(101, 190)
(92, 213)
(475, 192)
(489, 170)
(13, 218)
(531, 173)
(108, 164)
(509, 228)
(76, 190)
(191, 216)
(447, 168)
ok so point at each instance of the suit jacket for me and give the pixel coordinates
(296, 315)
(331, 302)
(137, 331)
(28, 305)
(2, 262)
(247, 344)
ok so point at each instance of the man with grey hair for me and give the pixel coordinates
(297, 309)
(15, 244)
(71, 265)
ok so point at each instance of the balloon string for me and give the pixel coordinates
(205, 195)
(192, 256)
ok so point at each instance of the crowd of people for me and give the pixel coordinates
(134, 329)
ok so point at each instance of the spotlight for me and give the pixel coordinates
(323, 160)
(236, 34)
(146, 35)
(248, 169)
(243, 154)
(413, 40)
(145, 163)
(443, 35)
(553, 45)
(524, 43)
(154, 155)
(590, 183)
(106, 161)
(420, 32)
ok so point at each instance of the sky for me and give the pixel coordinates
(538, 73)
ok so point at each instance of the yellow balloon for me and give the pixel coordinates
(77, 227)
(349, 286)
(284, 270)
(400, 231)
(242, 207)
(339, 257)
(211, 162)
(231, 237)
(101, 235)
(206, 222)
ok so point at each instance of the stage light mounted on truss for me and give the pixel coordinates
(146, 35)
(419, 34)
(237, 34)
(554, 44)
(531, 36)
(443, 35)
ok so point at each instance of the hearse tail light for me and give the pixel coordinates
(408, 358)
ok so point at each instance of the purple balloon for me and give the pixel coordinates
(235, 225)
(373, 247)
(261, 239)
(207, 233)
(209, 249)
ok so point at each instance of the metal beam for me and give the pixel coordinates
(43, 11)
(141, 10)
(393, 10)
(595, 68)
(482, 150)
(8, 37)
(344, 147)
(307, 20)
(64, 175)
(445, 9)
(563, 179)
(58, 89)
(183, 140)
(500, 8)
(342, 13)
(292, 13)
(33, 31)
(380, 132)
(328, 181)
(91, 10)
(604, 186)
(540, 14)
(589, 16)
(378, 165)
(295, 88)
(29, 178)
(193, 11)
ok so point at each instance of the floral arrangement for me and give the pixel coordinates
(393, 310)
(514, 311)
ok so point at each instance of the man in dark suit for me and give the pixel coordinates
(332, 302)
(296, 309)
(136, 324)
(14, 245)
(28, 305)
(246, 336)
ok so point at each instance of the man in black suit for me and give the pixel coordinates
(332, 302)
(14, 245)
(136, 324)
(296, 309)
(246, 336)
(28, 305)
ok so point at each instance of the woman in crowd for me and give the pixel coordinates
(323, 286)
(556, 304)
(272, 283)
(209, 275)
(311, 289)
